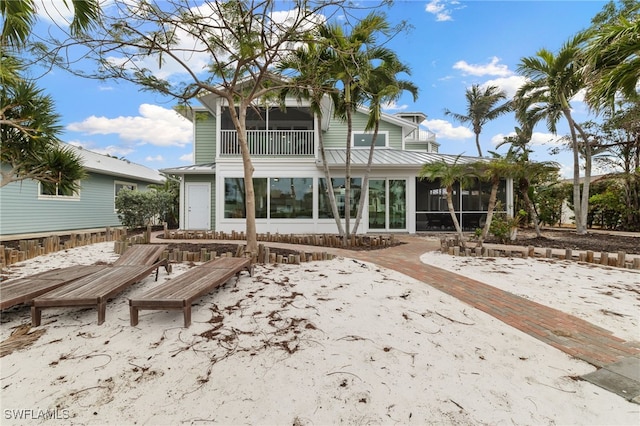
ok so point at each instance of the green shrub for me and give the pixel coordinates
(140, 208)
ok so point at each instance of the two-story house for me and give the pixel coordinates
(289, 181)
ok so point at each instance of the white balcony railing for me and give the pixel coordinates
(269, 142)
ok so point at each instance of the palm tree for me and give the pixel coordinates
(20, 16)
(611, 55)
(312, 81)
(28, 122)
(552, 81)
(482, 107)
(493, 171)
(29, 132)
(382, 86)
(448, 174)
(525, 171)
(354, 55)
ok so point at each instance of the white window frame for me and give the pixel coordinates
(74, 197)
(384, 133)
(123, 183)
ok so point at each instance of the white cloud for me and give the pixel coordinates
(188, 158)
(440, 10)
(537, 139)
(510, 84)
(492, 68)
(157, 159)
(445, 130)
(392, 106)
(155, 125)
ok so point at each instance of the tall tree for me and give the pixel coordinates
(382, 86)
(552, 80)
(312, 81)
(355, 55)
(482, 107)
(242, 40)
(492, 171)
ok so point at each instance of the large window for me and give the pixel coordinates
(393, 215)
(324, 207)
(234, 198)
(397, 204)
(291, 198)
(363, 140)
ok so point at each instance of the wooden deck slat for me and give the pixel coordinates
(180, 292)
(97, 288)
(24, 290)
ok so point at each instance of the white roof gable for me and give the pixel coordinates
(103, 164)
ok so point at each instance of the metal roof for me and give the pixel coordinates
(194, 169)
(385, 157)
(103, 164)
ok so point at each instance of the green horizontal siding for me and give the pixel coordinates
(205, 138)
(336, 136)
(22, 212)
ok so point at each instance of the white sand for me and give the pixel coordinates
(321, 343)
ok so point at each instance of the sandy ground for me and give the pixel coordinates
(334, 342)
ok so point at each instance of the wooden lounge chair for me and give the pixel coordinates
(179, 293)
(97, 288)
(24, 290)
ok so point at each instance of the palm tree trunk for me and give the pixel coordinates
(524, 189)
(584, 201)
(452, 211)
(365, 178)
(347, 173)
(490, 209)
(327, 177)
(577, 205)
(478, 144)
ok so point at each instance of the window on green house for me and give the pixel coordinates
(363, 140)
(234, 198)
(324, 207)
(291, 198)
(47, 190)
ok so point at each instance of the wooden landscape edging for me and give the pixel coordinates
(264, 254)
(37, 247)
(618, 260)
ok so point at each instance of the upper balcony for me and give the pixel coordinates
(271, 132)
(299, 143)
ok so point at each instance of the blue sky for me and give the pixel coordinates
(450, 46)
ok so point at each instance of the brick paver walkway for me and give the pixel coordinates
(568, 333)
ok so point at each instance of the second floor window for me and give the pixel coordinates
(363, 140)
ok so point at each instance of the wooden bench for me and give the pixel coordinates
(135, 264)
(179, 293)
(24, 290)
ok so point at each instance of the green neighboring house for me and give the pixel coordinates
(29, 207)
(290, 187)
